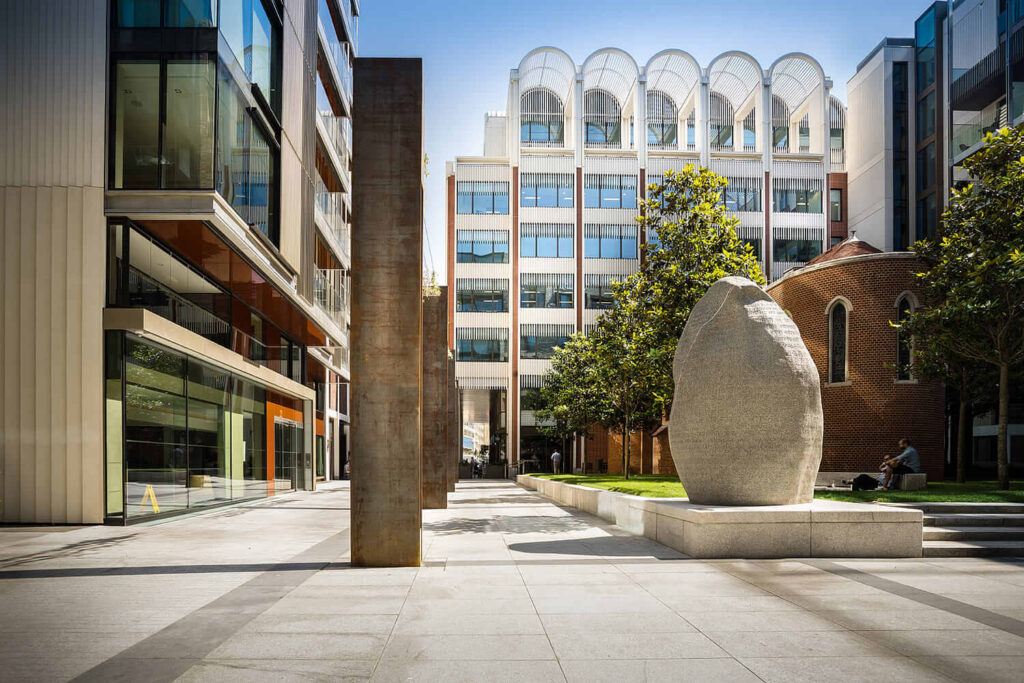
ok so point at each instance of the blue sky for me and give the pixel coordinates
(468, 48)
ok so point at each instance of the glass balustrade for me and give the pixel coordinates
(330, 291)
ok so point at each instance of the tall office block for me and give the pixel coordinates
(387, 318)
(176, 187)
(544, 220)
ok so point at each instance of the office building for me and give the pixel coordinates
(544, 220)
(918, 108)
(174, 248)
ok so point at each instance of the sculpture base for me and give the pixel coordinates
(822, 528)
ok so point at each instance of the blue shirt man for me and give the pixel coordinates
(909, 457)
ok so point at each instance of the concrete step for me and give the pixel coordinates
(974, 533)
(965, 508)
(973, 549)
(973, 519)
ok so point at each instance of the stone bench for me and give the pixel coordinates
(912, 482)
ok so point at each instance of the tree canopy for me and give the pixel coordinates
(973, 282)
(620, 374)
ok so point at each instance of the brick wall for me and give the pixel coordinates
(865, 417)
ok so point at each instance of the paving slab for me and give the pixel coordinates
(515, 588)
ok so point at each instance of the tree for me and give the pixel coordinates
(692, 243)
(974, 282)
(934, 358)
(571, 397)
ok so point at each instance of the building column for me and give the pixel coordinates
(435, 401)
(387, 324)
(454, 426)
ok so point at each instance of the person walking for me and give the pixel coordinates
(556, 462)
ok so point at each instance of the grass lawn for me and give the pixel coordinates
(668, 486)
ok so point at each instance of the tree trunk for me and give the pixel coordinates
(1004, 410)
(626, 446)
(961, 432)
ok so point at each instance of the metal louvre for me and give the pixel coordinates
(673, 72)
(546, 330)
(482, 172)
(480, 284)
(611, 70)
(662, 120)
(837, 138)
(541, 113)
(548, 68)
(596, 231)
(735, 77)
(602, 112)
(499, 236)
(797, 169)
(559, 281)
(481, 334)
(482, 382)
(546, 230)
(531, 381)
(794, 78)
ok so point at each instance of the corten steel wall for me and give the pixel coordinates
(387, 260)
(454, 424)
(865, 418)
(435, 401)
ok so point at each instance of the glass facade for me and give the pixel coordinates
(192, 121)
(548, 190)
(610, 241)
(603, 191)
(482, 198)
(794, 251)
(546, 240)
(482, 350)
(163, 123)
(540, 346)
(183, 434)
(901, 156)
(482, 246)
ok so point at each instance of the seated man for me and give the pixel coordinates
(907, 462)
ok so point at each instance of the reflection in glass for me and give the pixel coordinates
(136, 124)
(188, 136)
(154, 427)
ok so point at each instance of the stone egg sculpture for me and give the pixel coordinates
(746, 422)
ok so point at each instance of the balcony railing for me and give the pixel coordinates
(338, 50)
(330, 291)
(838, 159)
(330, 206)
(339, 132)
(284, 359)
(967, 134)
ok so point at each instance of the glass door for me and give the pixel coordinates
(287, 448)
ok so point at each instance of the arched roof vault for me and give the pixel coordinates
(734, 75)
(613, 71)
(674, 73)
(794, 77)
(549, 68)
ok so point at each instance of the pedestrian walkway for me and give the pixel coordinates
(513, 588)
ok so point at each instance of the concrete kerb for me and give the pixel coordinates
(823, 528)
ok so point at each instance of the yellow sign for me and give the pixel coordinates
(152, 498)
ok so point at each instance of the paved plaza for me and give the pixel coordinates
(513, 587)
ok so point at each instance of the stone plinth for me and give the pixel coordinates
(387, 256)
(435, 401)
(821, 528)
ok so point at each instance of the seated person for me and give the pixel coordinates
(907, 462)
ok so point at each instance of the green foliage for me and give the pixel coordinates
(974, 278)
(668, 486)
(620, 375)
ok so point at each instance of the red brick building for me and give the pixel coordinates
(844, 303)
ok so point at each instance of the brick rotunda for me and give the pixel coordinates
(845, 303)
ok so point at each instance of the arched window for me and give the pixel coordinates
(662, 120)
(602, 119)
(837, 342)
(722, 120)
(904, 344)
(541, 117)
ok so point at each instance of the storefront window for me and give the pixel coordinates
(193, 435)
